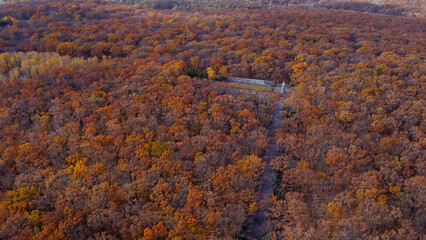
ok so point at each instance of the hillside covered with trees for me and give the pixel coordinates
(390, 7)
(110, 128)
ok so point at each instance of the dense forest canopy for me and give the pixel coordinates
(110, 129)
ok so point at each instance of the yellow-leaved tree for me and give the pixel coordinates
(211, 73)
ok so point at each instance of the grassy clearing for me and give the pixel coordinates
(247, 86)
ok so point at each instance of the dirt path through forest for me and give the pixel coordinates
(257, 225)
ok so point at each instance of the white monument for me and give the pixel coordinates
(283, 87)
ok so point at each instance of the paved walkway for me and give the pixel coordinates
(257, 225)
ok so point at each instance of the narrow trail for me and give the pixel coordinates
(257, 225)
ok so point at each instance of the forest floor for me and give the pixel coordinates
(258, 224)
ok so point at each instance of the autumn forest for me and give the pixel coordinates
(112, 125)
